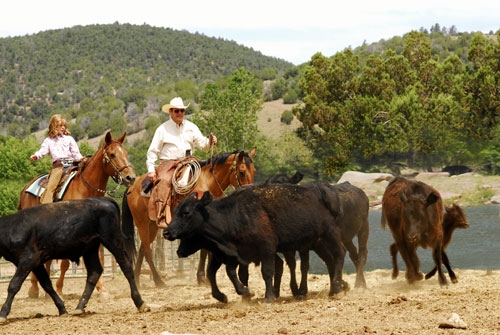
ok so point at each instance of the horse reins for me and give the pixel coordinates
(234, 170)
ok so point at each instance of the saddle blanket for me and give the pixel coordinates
(37, 190)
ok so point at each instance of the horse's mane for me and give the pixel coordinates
(222, 158)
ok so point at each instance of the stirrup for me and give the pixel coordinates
(162, 224)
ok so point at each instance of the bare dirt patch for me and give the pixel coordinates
(386, 307)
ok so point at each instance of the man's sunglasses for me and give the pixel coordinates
(178, 111)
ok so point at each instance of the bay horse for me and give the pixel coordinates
(217, 173)
(111, 160)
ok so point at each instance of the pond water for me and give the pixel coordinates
(476, 248)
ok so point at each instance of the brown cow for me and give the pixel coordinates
(414, 212)
(454, 218)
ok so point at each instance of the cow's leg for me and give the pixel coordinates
(278, 273)
(446, 263)
(431, 273)
(243, 274)
(214, 265)
(125, 263)
(327, 254)
(44, 279)
(15, 284)
(292, 266)
(238, 285)
(200, 272)
(339, 285)
(412, 262)
(304, 270)
(267, 269)
(436, 255)
(63, 268)
(362, 257)
(394, 256)
(34, 291)
(94, 271)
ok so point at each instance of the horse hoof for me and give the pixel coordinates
(33, 293)
(78, 312)
(144, 308)
(3, 320)
(103, 296)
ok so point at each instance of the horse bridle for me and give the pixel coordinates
(234, 169)
(116, 177)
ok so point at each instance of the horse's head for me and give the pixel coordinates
(242, 168)
(115, 160)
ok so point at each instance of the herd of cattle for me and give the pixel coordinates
(254, 224)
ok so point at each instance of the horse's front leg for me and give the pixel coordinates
(100, 282)
(34, 290)
(60, 281)
(200, 272)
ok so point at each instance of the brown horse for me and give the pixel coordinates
(111, 160)
(216, 175)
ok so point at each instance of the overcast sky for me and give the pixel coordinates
(290, 30)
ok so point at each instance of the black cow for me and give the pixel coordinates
(66, 230)
(455, 170)
(283, 178)
(253, 224)
(414, 213)
(353, 221)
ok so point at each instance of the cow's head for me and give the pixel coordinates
(455, 218)
(188, 217)
(420, 214)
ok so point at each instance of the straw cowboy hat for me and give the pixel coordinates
(174, 103)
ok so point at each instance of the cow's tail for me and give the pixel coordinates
(383, 220)
(128, 228)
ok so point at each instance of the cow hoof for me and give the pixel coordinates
(300, 297)
(270, 299)
(221, 297)
(144, 308)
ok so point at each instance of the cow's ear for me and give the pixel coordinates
(207, 198)
(432, 198)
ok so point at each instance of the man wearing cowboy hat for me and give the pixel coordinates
(173, 141)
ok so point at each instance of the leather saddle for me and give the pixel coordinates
(37, 187)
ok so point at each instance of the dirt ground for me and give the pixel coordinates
(386, 307)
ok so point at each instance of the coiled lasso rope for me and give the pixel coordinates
(192, 164)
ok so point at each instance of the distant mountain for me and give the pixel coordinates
(58, 69)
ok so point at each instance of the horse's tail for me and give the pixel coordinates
(128, 228)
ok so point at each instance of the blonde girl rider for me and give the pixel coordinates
(64, 150)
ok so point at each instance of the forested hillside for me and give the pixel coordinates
(58, 70)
